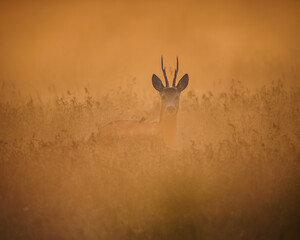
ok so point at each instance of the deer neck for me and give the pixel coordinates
(168, 125)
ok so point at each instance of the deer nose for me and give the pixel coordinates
(170, 110)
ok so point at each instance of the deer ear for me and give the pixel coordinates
(157, 84)
(182, 84)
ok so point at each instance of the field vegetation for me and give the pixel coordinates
(235, 175)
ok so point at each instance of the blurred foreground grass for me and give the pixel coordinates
(236, 176)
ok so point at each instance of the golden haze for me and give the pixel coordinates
(69, 67)
(98, 44)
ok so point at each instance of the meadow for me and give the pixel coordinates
(235, 176)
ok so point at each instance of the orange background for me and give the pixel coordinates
(102, 44)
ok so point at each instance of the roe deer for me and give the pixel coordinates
(167, 125)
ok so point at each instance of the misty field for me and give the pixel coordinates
(236, 174)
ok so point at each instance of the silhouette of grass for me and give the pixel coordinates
(236, 176)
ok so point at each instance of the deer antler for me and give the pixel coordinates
(175, 74)
(164, 71)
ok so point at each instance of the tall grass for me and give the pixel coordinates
(236, 175)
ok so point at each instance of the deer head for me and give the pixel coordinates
(169, 94)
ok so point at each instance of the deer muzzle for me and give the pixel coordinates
(171, 110)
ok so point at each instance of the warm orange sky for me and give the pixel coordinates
(100, 44)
